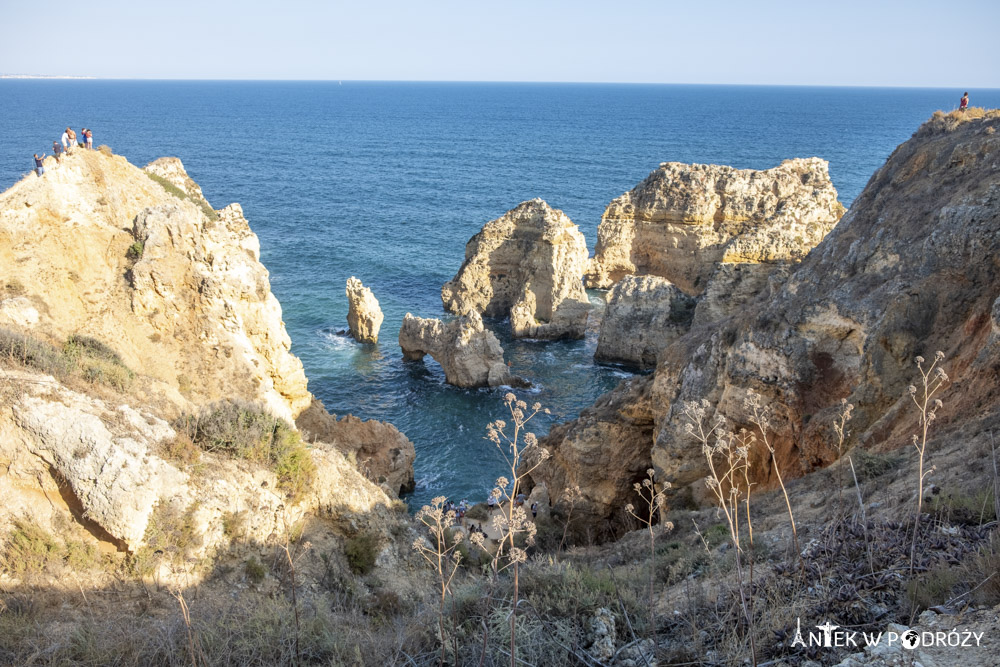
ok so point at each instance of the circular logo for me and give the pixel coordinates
(910, 639)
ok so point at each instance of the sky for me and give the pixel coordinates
(801, 42)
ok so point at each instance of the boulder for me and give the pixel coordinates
(644, 315)
(528, 265)
(470, 355)
(683, 219)
(364, 317)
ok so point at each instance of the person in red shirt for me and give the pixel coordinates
(963, 104)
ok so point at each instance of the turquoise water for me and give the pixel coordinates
(387, 182)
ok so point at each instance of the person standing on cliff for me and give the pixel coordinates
(963, 104)
(83, 137)
(39, 169)
(90, 138)
(71, 137)
(57, 151)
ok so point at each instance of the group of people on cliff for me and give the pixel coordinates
(65, 144)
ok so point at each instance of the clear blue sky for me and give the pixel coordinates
(849, 42)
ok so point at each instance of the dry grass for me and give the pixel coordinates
(80, 358)
(952, 120)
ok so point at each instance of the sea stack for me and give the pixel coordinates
(528, 265)
(364, 317)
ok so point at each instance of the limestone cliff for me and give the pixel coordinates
(911, 269)
(469, 354)
(683, 219)
(194, 311)
(99, 257)
(526, 264)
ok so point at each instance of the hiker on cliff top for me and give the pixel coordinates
(68, 140)
(90, 138)
(83, 137)
(57, 151)
(39, 169)
(963, 104)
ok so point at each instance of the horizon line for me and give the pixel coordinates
(71, 77)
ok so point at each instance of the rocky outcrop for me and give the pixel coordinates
(684, 219)
(526, 264)
(102, 462)
(194, 312)
(172, 170)
(603, 453)
(644, 314)
(469, 354)
(236, 313)
(364, 317)
(911, 269)
(382, 453)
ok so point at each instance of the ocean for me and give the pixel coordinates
(387, 182)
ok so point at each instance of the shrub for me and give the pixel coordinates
(233, 523)
(97, 362)
(33, 353)
(247, 431)
(181, 450)
(254, 570)
(932, 588)
(171, 532)
(478, 512)
(870, 465)
(134, 252)
(963, 508)
(80, 356)
(361, 551)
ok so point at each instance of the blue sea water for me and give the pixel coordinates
(387, 182)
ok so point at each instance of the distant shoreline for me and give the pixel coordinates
(43, 76)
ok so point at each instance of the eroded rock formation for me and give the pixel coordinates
(911, 269)
(383, 453)
(684, 219)
(526, 264)
(644, 315)
(364, 317)
(469, 354)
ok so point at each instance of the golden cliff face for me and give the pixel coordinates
(683, 219)
(911, 269)
(99, 248)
